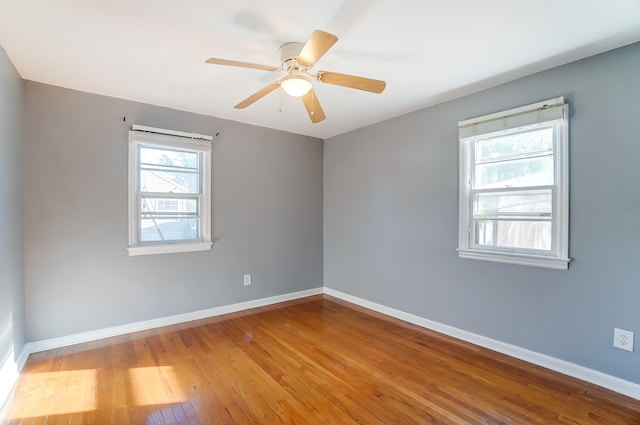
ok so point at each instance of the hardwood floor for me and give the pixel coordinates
(314, 361)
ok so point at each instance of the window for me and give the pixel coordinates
(514, 186)
(169, 191)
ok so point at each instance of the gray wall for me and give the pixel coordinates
(267, 216)
(391, 212)
(11, 242)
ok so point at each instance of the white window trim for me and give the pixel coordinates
(547, 111)
(140, 135)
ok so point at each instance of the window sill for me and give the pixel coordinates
(169, 248)
(519, 259)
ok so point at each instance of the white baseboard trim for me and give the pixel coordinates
(48, 344)
(593, 376)
(11, 369)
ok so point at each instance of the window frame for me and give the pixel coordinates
(143, 136)
(551, 113)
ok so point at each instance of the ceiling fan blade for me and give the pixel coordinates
(351, 81)
(314, 109)
(316, 46)
(218, 61)
(257, 95)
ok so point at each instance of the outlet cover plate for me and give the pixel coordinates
(623, 339)
(247, 279)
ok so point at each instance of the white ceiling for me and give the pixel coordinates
(428, 51)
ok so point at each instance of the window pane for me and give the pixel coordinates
(167, 205)
(162, 207)
(513, 234)
(515, 145)
(527, 172)
(168, 229)
(168, 158)
(535, 203)
(168, 181)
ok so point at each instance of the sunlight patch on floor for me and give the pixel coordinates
(55, 393)
(155, 385)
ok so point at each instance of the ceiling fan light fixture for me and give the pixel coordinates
(296, 85)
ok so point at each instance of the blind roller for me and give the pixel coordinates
(539, 113)
(196, 142)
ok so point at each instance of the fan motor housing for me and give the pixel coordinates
(290, 51)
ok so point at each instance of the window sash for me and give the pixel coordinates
(155, 216)
(519, 216)
(475, 191)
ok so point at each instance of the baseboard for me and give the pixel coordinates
(64, 341)
(11, 371)
(580, 372)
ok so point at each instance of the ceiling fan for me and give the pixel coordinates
(297, 61)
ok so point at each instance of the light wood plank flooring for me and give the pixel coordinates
(313, 361)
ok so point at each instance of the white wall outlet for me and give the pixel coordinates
(623, 339)
(247, 279)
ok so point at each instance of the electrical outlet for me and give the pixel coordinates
(623, 339)
(247, 279)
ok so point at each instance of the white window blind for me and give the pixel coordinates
(538, 113)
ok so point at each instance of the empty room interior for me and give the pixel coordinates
(338, 212)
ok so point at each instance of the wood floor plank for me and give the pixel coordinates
(318, 360)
